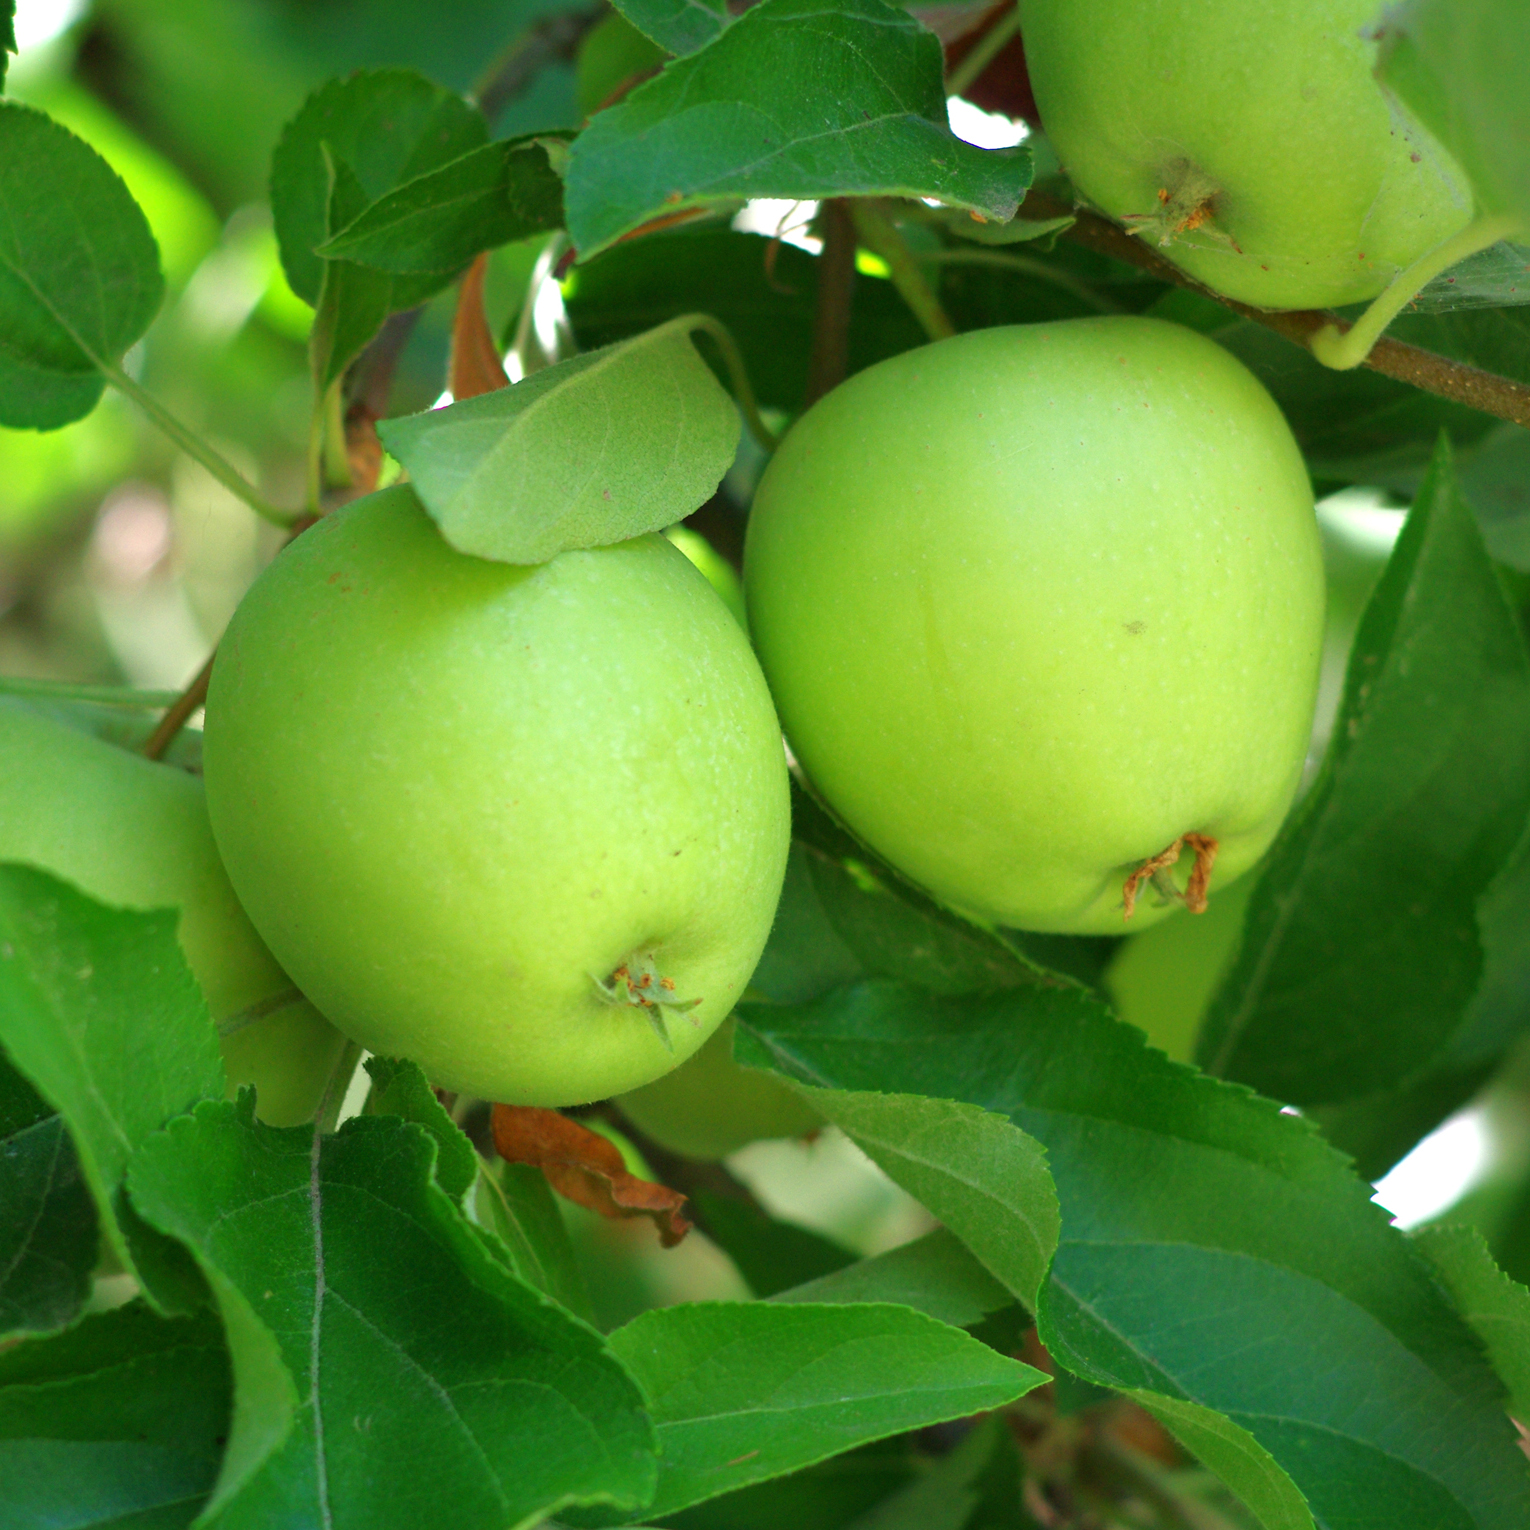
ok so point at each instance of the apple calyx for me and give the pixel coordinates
(1186, 201)
(638, 984)
(1156, 870)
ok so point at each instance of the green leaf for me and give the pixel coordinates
(1360, 951)
(944, 1497)
(400, 1088)
(983, 1178)
(79, 271)
(864, 115)
(1497, 1308)
(518, 1206)
(424, 1371)
(597, 449)
(439, 221)
(1235, 1456)
(100, 1012)
(743, 1391)
(118, 1422)
(680, 26)
(48, 1228)
(388, 126)
(771, 1255)
(1201, 1230)
(934, 1274)
(1461, 67)
(353, 301)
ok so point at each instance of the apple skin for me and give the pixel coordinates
(709, 1106)
(456, 796)
(134, 834)
(1037, 600)
(1320, 190)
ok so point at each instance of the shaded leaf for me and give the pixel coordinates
(100, 1012)
(983, 1178)
(439, 221)
(79, 271)
(944, 1497)
(1201, 1229)
(772, 1255)
(586, 1168)
(1360, 952)
(516, 1203)
(388, 126)
(400, 1088)
(117, 1422)
(1497, 1307)
(866, 116)
(743, 1391)
(602, 447)
(48, 1229)
(424, 1372)
(680, 26)
(1461, 67)
(934, 1274)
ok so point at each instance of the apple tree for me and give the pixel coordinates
(753, 757)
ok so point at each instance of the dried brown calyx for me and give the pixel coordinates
(1157, 870)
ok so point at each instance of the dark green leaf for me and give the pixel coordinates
(1461, 66)
(517, 1205)
(353, 301)
(1497, 1308)
(439, 221)
(602, 447)
(48, 1230)
(743, 1391)
(865, 115)
(389, 126)
(771, 1255)
(79, 271)
(944, 1497)
(934, 1274)
(1201, 1231)
(443, 1379)
(399, 1088)
(765, 296)
(100, 1012)
(984, 1179)
(119, 1422)
(1360, 952)
(680, 26)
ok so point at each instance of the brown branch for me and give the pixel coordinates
(830, 357)
(178, 714)
(1500, 396)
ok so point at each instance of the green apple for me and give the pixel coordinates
(1251, 140)
(134, 833)
(709, 1106)
(1037, 601)
(525, 825)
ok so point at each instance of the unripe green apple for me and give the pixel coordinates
(1251, 140)
(525, 825)
(135, 834)
(709, 1106)
(1037, 601)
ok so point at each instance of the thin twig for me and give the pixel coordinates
(1500, 396)
(967, 73)
(829, 359)
(196, 448)
(743, 389)
(554, 39)
(880, 235)
(179, 714)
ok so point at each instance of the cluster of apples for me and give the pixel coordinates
(1037, 607)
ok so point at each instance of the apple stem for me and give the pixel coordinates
(879, 234)
(1343, 349)
(335, 1091)
(178, 714)
(1156, 867)
(738, 375)
(195, 447)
